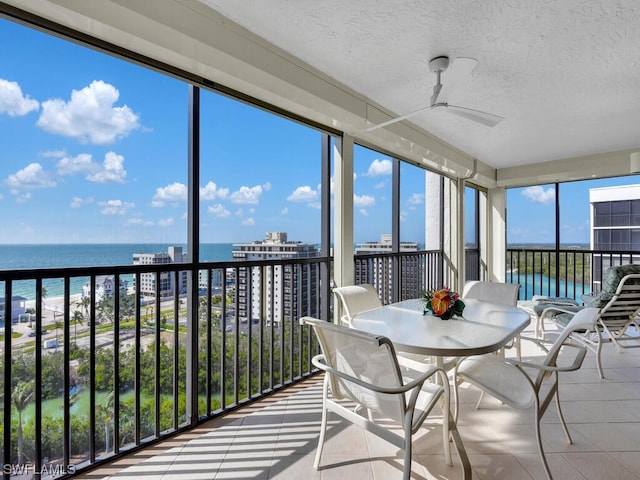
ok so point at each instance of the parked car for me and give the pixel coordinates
(32, 332)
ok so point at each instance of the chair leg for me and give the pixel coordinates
(406, 472)
(564, 424)
(539, 440)
(598, 355)
(462, 453)
(323, 423)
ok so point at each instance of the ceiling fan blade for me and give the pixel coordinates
(488, 119)
(397, 119)
(458, 72)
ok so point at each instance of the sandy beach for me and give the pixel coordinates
(53, 307)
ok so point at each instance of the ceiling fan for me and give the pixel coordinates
(460, 69)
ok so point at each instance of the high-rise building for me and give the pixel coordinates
(168, 280)
(379, 271)
(615, 225)
(276, 292)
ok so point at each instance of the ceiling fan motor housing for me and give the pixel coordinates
(439, 64)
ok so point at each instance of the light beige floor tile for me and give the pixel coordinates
(495, 467)
(345, 467)
(599, 466)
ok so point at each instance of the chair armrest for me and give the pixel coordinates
(577, 361)
(319, 361)
(556, 309)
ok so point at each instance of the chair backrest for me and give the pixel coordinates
(610, 282)
(624, 304)
(355, 299)
(497, 292)
(364, 356)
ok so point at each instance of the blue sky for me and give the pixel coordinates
(94, 151)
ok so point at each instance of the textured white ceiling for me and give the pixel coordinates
(565, 74)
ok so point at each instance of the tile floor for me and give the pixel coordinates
(276, 438)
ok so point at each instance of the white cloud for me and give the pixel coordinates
(247, 195)
(416, 199)
(284, 211)
(112, 170)
(240, 213)
(115, 207)
(219, 211)
(363, 201)
(303, 194)
(171, 193)
(316, 205)
(379, 185)
(379, 167)
(13, 102)
(267, 186)
(364, 212)
(31, 176)
(53, 154)
(139, 221)
(165, 222)
(211, 191)
(248, 222)
(77, 202)
(25, 197)
(79, 164)
(538, 194)
(89, 116)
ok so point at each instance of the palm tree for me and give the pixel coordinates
(84, 302)
(77, 318)
(21, 397)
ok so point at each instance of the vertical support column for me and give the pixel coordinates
(454, 205)
(482, 234)
(325, 234)
(434, 237)
(496, 234)
(396, 294)
(193, 246)
(460, 235)
(343, 267)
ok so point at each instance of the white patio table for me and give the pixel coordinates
(485, 327)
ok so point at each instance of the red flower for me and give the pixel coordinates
(441, 301)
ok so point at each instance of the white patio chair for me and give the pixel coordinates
(496, 292)
(363, 368)
(522, 385)
(617, 306)
(355, 299)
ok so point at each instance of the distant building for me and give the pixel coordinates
(615, 225)
(276, 292)
(378, 271)
(105, 287)
(167, 280)
(18, 307)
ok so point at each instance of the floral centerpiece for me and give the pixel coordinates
(442, 303)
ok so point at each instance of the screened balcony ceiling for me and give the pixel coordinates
(564, 75)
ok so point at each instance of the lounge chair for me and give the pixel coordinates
(617, 305)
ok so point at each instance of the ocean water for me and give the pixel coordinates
(14, 257)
